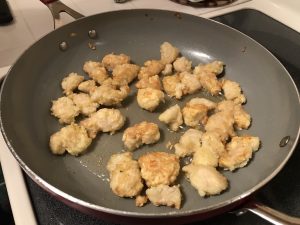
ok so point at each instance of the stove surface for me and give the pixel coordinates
(282, 193)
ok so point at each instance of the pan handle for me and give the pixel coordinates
(267, 213)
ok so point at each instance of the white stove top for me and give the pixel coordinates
(32, 20)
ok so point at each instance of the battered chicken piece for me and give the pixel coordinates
(105, 120)
(159, 168)
(149, 82)
(182, 64)
(125, 175)
(165, 195)
(203, 101)
(110, 61)
(189, 143)
(141, 200)
(206, 179)
(72, 138)
(168, 70)
(209, 82)
(84, 103)
(149, 98)
(139, 134)
(173, 117)
(71, 82)
(150, 68)
(87, 86)
(173, 86)
(96, 71)
(215, 67)
(238, 152)
(125, 73)
(65, 110)
(194, 114)
(232, 91)
(190, 83)
(168, 53)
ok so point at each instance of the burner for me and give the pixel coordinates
(204, 3)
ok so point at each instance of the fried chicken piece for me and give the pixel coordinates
(173, 86)
(215, 67)
(189, 143)
(71, 82)
(222, 124)
(96, 71)
(141, 200)
(232, 91)
(238, 152)
(190, 83)
(168, 53)
(203, 101)
(87, 86)
(149, 98)
(165, 195)
(108, 94)
(72, 138)
(194, 114)
(172, 116)
(110, 61)
(125, 73)
(105, 120)
(64, 109)
(149, 82)
(168, 70)
(159, 168)
(182, 64)
(209, 82)
(206, 179)
(125, 175)
(150, 68)
(139, 134)
(84, 103)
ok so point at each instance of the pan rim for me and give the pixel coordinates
(176, 213)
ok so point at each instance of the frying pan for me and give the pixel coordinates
(82, 182)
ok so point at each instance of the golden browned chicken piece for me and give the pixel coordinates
(105, 120)
(150, 68)
(139, 134)
(110, 61)
(165, 195)
(72, 138)
(87, 86)
(168, 70)
(232, 91)
(238, 152)
(149, 98)
(125, 73)
(172, 117)
(189, 143)
(141, 200)
(173, 86)
(71, 82)
(96, 71)
(159, 168)
(209, 82)
(125, 175)
(190, 83)
(84, 102)
(182, 64)
(215, 67)
(65, 110)
(168, 53)
(206, 179)
(149, 82)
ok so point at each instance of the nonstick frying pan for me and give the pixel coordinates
(82, 182)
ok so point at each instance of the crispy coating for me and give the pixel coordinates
(96, 71)
(203, 101)
(110, 61)
(238, 152)
(141, 200)
(149, 98)
(125, 73)
(215, 67)
(72, 138)
(168, 53)
(172, 116)
(139, 134)
(159, 168)
(149, 82)
(182, 64)
(173, 86)
(168, 70)
(105, 120)
(150, 68)
(65, 110)
(194, 114)
(125, 175)
(206, 179)
(189, 143)
(232, 91)
(209, 82)
(165, 195)
(71, 82)
(190, 83)
(87, 86)
(84, 103)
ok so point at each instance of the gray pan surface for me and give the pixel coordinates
(34, 81)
